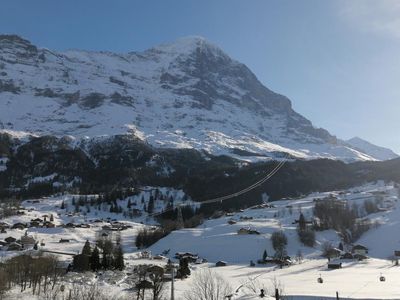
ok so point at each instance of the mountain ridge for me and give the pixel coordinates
(187, 94)
(381, 153)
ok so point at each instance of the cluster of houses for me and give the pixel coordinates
(12, 244)
(280, 261)
(358, 252)
(45, 223)
(116, 226)
(191, 257)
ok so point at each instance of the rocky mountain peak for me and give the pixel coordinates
(186, 94)
(189, 45)
(10, 43)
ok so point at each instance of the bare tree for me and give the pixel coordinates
(299, 256)
(86, 292)
(3, 283)
(208, 285)
(254, 285)
(278, 286)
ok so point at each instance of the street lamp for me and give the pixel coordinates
(171, 267)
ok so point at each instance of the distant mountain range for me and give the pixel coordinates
(187, 94)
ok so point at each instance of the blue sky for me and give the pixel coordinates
(338, 61)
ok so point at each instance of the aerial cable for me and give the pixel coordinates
(238, 193)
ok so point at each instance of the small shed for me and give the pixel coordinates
(221, 263)
(334, 265)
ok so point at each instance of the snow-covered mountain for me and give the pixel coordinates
(380, 153)
(187, 94)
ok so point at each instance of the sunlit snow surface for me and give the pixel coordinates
(217, 240)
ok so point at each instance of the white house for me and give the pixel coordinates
(360, 249)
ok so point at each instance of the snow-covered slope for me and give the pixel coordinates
(217, 240)
(377, 152)
(219, 234)
(187, 94)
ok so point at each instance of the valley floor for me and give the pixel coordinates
(217, 240)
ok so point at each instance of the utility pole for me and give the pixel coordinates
(172, 283)
(171, 267)
(180, 218)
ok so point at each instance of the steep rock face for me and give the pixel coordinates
(187, 94)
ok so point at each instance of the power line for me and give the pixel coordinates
(238, 193)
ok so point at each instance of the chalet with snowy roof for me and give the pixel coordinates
(221, 263)
(27, 240)
(4, 225)
(347, 255)
(145, 254)
(19, 226)
(14, 247)
(360, 249)
(34, 224)
(106, 227)
(10, 240)
(180, 255)
(335, 252)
